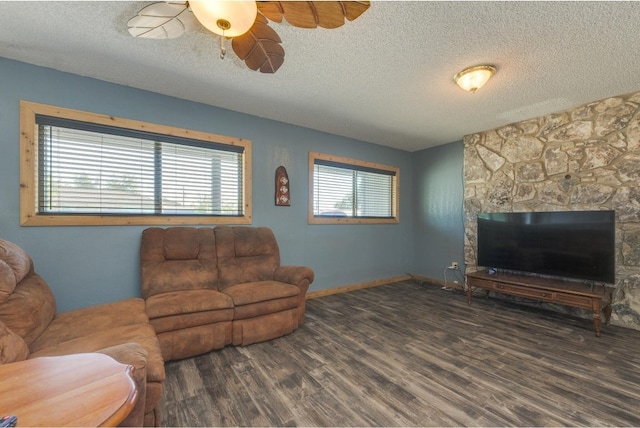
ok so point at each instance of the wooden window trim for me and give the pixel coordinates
(353, 220)
(29, 215)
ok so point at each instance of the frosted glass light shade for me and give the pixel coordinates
(473, 78)
(228, 18)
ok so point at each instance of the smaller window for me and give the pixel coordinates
(347, 191)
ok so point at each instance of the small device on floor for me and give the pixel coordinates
(8, 421)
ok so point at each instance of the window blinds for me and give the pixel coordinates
(86, 168)
(345, 190)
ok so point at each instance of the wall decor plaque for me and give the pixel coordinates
(283, 197)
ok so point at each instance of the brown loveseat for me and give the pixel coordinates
(206, 288)
(30, 328)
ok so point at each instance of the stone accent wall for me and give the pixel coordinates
(586, 158)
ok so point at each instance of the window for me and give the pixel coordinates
(350, 191)
(86, 169)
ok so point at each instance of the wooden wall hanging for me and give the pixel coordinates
(283, 197)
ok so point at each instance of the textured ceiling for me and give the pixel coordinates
(385, 78)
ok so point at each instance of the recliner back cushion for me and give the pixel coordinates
(15, 264)
(184, 243)
(246, 254)
(29, 309)
(27, 305)
(177, 258)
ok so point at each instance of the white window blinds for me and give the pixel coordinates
(344, 190)
(87, 168)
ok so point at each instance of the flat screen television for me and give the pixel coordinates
(569, 244)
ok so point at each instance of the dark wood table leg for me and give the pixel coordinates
(597, 322)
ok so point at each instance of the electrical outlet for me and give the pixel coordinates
(454, 265)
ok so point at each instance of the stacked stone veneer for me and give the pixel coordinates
(587, 158)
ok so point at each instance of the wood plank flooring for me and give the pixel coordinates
(410, 354)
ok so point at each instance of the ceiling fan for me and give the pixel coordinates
(246, 23)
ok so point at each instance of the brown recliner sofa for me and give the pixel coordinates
(30, 328)
(206, 288)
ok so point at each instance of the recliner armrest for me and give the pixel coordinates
(134, 355)
(295, 275)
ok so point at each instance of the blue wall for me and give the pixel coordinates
(438, 210)
(90, 265)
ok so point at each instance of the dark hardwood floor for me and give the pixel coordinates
(411, 354)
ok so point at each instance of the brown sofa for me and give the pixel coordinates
(30, 328)
(206, 288)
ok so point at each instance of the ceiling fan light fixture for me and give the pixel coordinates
(226, 18)
(473, 78)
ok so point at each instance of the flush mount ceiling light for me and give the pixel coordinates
(473, 78)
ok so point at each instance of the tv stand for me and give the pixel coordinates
(547, 290)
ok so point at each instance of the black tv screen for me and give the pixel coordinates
(570, 244)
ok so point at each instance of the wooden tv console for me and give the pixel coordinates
(547, 290)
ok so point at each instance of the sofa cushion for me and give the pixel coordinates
(255, 299)
(12, 347)
(141, 334)
(177, 258)
(264, 308)
(187, 301)
(85, 321)
(29, 309)
(182, 243)
(245, 254)
(15, 264)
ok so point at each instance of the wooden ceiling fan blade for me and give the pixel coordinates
(328, 14)
(313, 14)
(260, 47)
(268, 59)
(353, 9)
(300, 14)
(271, 9)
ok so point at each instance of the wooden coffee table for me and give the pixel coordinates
(71, 390)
